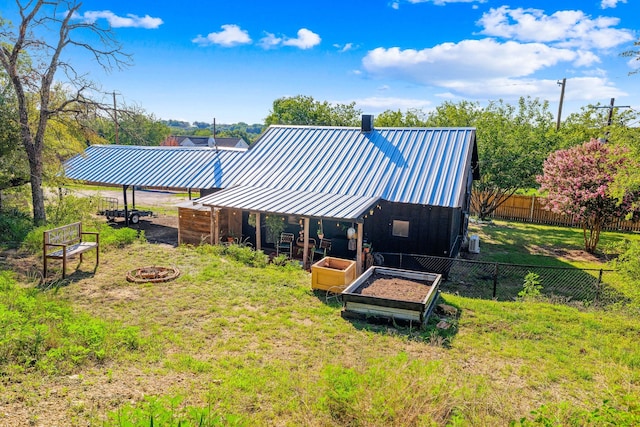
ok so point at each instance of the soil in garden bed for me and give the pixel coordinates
(395, 288)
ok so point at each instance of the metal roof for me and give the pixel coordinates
(427, 166)
(174, 167)
(290, 202)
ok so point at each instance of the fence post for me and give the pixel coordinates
(400, 266)
(495, 279)
(598, 286)
(533, 203)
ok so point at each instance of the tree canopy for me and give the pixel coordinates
(578, 181)
(304, 110)
(31, 56)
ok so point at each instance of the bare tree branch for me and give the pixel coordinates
(34, 61)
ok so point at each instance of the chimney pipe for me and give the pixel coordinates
(367, 123)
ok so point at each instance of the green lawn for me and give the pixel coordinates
(534, 244)
(231, 344)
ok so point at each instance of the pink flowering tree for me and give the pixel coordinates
(578, 181)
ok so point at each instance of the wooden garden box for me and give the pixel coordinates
(410, 298)
(332, 274)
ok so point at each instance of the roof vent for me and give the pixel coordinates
(367, 123)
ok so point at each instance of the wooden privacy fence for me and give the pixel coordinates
(531, 209)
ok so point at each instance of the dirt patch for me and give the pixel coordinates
(395, 288)
(568, 254)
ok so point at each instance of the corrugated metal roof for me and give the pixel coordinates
(174, 167)
(427, 166)
(290, 202)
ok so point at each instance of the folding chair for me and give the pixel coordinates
(322, 249)
(285, 244)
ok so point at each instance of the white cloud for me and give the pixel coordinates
(343, 48)
(395, 5)
(583, 88)
(565, 28)
(444, 2)
(489, 69)
(485, 58)
(611, 3)
(269, 41)
(306, 39)
(384, 103)
(231, 35)
(115, 21)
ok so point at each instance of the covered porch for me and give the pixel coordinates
(260, 216)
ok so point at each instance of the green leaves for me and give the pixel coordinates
(304, 110)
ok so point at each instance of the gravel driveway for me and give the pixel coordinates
(161, 228)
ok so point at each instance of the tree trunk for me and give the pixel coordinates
(37, 193)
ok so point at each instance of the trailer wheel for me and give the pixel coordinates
(135, 218)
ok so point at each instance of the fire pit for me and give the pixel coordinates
(392, 293)
(153, 274)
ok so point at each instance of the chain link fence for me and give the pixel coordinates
(503, 282)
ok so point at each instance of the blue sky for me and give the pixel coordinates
(230, 60)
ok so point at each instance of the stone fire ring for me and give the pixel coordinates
(152, 274)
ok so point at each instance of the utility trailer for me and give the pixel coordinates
(109, 208)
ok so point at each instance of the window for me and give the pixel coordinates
(400, 228)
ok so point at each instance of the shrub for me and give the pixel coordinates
(14, 227)
(531, 287)
(246, 255)
(628, 262)
(69, 209)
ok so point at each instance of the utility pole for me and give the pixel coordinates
(563, 84)
(611, 106)
(115, 115)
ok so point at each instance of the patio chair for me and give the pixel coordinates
(322, 249)
(285, 244)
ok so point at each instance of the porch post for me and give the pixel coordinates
(258, 232)
(305, 247)
(215, 230)
(359, 260)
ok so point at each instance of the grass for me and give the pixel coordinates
(541, 245)
(235, 342)
(535, 244)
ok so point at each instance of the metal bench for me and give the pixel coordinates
(66, 242)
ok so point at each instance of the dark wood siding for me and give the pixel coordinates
(433, 230)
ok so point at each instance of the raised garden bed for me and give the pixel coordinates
(332, 274)
(392, 293)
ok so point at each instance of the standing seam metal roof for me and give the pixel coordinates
(293, 164)
(173, 167)
(425, 166)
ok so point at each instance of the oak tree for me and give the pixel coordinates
(31, 54)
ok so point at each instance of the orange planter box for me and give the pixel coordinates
(332, 274)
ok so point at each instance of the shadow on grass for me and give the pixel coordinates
(54, 279)
(439, 329)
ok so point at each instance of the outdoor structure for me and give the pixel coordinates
(403, 190)
(204, 141)
(174, 168)
(394, 189)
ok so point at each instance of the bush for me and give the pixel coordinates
(14, 227)
(628, 262)
(531, 288)
(246, 255)
(118, 237)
